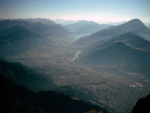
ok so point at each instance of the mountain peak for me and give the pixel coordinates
(135, 22)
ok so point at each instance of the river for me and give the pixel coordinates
(76, 55)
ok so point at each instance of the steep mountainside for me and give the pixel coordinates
(18, 99)
(120, 56)
(142, 105)
(25, 76)
(129, 38)
(132, 40)
(135, 25)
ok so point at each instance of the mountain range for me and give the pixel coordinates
(129, 38)
(20, 35)
(125, 47)
(136, 26)
(83, 28)
(65, 22)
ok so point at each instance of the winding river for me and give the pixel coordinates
(76, 55)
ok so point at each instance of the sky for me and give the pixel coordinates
(93, 10)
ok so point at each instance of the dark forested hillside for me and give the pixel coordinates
(142, 105)
(23, 75)
(18, 99)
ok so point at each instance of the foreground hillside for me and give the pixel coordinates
(18, 99)
(142, 105)
(25, 76)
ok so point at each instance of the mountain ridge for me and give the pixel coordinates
(120, 56)
(22, 35)
(83, 28)
(134, 25)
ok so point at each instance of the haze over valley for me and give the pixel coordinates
(70, 61)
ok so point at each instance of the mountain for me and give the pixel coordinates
(132, 40)
(35, 26)
(142, 105)
(115, 23)
(42, 20)
(129, 38)
(65, 22)
(83, 28)
(25, 76)
(136, 26)
(18, 99)
(120, 56)
(19, 35)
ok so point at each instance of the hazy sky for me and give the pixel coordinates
(97, 10)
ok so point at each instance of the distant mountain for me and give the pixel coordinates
(25, 76)
(136, 26)
(120, 56)
(18, 99)
(65, 22)
(19, 35)
(42, 20)
(83, 28)
(129, 38)
(115, 23)
(36, 26)
(133, 41)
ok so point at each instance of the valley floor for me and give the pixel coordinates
(116, 89)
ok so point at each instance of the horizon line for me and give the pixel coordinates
(73, 19)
